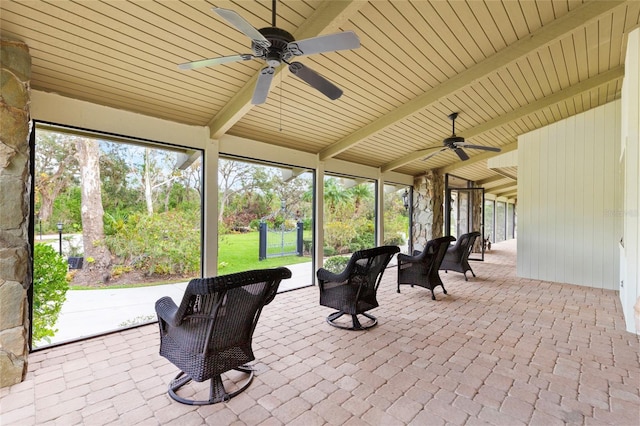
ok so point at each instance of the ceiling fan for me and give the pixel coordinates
(457, 143)
(276, 46)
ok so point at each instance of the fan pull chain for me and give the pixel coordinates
(281, 101)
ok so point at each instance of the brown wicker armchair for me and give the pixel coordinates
(353, 291)
(457, 256)
(210, 332)
(421, 269)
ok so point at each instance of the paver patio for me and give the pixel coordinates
(497, 350)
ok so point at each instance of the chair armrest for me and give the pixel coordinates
(167, 310)
(326, 275)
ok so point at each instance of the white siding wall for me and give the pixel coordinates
(630, 129)
(569, 201)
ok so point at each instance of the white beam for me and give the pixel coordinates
(540, 38)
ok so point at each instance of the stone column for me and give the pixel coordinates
(428, 215)
(15, 187)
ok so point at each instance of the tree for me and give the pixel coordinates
(361, 193)
(56, 168)
(96, 253)
(334, 195)
(233, 177)
(119, 191)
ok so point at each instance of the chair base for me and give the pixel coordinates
(217, 392)
(354, 319)
(464, 273)
(433, 295)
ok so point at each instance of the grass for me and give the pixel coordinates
(239, 252)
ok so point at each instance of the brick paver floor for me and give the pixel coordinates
(498, 350)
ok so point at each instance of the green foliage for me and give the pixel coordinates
(50, 287)
(336, 264)
(118, 189)
(338, 235)
(118, 270)
(161, 244)
(307, 246)
(394, 240)
(115, 221)
(66, 209)
(328, 251)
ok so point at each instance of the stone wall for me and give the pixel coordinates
(15, 184)
(428, 202)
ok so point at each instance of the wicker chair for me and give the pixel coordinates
(457, 257)
(353, 291)
(421, 269)
(210, 332)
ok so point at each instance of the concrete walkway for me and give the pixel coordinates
(91, 312)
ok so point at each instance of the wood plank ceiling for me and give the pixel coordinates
(508, 67)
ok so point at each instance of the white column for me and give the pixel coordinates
(319, 216)
(380, 211)
(630, 284)
(210, 209)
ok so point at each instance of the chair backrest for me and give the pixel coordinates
(223, 311)
(438, 249)
(466, 244)
(470, 239)
(367, 266)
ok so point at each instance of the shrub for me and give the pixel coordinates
(338, 235)
(163, 243)
(336, 264)
(329, 251)
(307, 246)
(50, 287)
(394, 240)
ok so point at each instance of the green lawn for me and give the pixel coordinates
(239, 252)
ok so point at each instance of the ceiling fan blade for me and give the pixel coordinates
(263, 85)
(460, 153)
(242, 25)
(484, 148)
(315, 80)
(215, 61)
(433, 154)
(325, 43)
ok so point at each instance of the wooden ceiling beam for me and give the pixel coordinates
(540, 38)
(327, 18)
(560, 96)
(491, 180)
(501, 188)
(506, 194)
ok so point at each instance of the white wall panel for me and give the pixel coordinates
(630, 292)
(567, 198)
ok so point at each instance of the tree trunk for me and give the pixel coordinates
(147, 181)
(97, 263)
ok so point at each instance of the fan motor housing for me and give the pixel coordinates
(279, 40)
(451, 141)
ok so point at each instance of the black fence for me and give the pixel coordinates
(280, 241)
